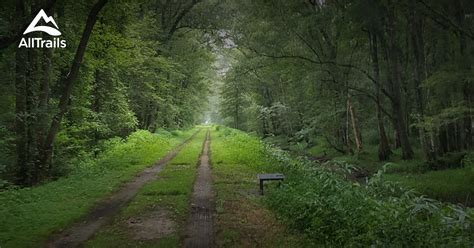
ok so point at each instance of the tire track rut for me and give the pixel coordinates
(82, 230)
(199, 231)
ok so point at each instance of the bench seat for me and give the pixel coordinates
(269, 177)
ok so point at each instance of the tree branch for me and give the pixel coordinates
(321, 62)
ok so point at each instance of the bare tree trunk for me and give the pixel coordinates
(384, 151)
(347, 132)
(386, 55)
(22, 175)
(68, 82)
(32, 79)
(419, 75)
(397, 105)
(355, 125)
(467, 90)
(32, 86)
(43, 99)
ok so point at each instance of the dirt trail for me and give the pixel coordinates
(199, 228)
(82, 230)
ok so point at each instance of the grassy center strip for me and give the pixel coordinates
(156, 217)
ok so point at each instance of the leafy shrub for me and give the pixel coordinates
(280, 140)
(413, 166)
(336, 212)
(447, 161)
(3, 183)
(239, 148)
(468, 160)
(163, 132)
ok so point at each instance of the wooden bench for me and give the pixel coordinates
(269, 177)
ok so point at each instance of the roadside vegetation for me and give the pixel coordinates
(326, 208)
(449, 178)
(30, 215)
(242, 220)
(452, 185)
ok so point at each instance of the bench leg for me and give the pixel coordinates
(261, 187)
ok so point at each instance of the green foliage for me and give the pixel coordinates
(297, 70)
(138, 72)
(238, 148)
(451, 185)
(407, 167)
(468, 160)
(29, 215)
(336, 212)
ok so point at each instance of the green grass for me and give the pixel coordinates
(452, 185)
(29, 215)
(368, 160)
(171, 192)
(242, 219)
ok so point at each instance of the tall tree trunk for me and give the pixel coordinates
(386, 55)
(384, 151)
(466, 64)
(395, 70)
(43, 99)
(32, 86)
(22, 175)
(419, 75)
(41, 124)
(68, 82)
(32, 79)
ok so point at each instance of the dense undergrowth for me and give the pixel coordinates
(29, 215)
(332, 211)
(448, 178)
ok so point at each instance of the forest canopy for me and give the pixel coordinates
(171, 114)
(338, 78)
(127, 66)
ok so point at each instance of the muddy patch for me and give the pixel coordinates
(152, 225)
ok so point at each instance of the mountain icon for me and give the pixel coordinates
(49, 30)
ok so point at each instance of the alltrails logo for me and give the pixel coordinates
(40, 42)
